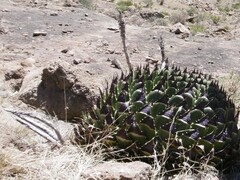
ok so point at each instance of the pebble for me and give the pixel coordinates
(77, 61)
(65, 50)
(86, 61)
(54, 14)
(39, 33)
(71, 52)
(116, 64)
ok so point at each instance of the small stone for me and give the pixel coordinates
(5, 10)
(116, 64)
(135, 50)
(113, 29)
(179, 29)
(199, 49)
(54, 14)
(71, 52)
(117, 170)
(151, 60)
(86, 61)
(86, 14)
(65, 50)
(105, 43)
(77, 61)
(67, 31)
(29, 62)
(39, 33)
(210, 62)
(110, 51)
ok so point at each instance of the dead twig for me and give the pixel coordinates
(38, 125)
(161, 42)
(122, 27)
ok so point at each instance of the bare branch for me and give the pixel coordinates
(162, 47)
(161, 42)
(38, 125)
(122, 27)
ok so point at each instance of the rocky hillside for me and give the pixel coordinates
(55, 55)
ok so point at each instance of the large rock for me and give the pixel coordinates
(179, 28)
(122, 171)
(59, 90)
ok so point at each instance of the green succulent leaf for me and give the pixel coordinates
(148, 86)
(207, 146)
(175, 100)
(201, 129)
(161, 121)
(189, 99)
(157, 109)
(136, 94)
(211, 129)
(181, 85)
(187, 142)
(203, 101)
(209, 112)
(136, 106)
(154, 96)
(196, 115)
(138, 138)
(147, 130)
(219, 145)
(171, 91)
(122, 139)
(182, 125)
(164, 134)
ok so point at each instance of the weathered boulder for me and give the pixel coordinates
(179, 28)
(59, 91)
(116, 170)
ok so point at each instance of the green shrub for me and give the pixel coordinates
(87, 4)
(215, 19)
(196, 28)
(236, 6)
(178, 17)
(124, 5)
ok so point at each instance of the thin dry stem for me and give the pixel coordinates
(122, 27)
(38, 125)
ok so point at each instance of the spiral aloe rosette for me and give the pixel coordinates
(185, 114)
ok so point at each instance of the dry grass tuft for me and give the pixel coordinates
(26, 155)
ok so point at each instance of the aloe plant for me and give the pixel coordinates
(182, 113)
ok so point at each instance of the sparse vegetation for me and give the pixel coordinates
(236, 5)
(197, 28)
(231, 82)
(124, 5)
(178, 17)
(161, 22)
(149, 3)
(192, 11)
(87, 4)
(215, 19)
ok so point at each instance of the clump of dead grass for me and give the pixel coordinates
(66, 162)
(26, 155)
(231, 83)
